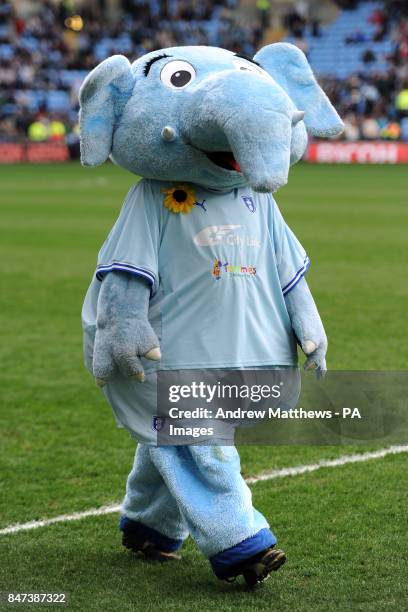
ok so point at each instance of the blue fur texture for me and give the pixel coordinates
(123, 332)
(230, 104)
(197, 490)
(165, 120)
(307, 326)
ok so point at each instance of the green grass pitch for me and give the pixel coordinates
(344, 529)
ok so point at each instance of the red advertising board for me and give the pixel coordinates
(41, 152)
(47, 152)
(11, 153)
(375, 152)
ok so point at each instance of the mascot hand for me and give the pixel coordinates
(308, 327)
(123, 331)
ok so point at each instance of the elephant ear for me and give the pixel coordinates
(102, 98)
(289, 67)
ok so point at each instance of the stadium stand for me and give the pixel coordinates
(44, 57)
(361, 57)
(341, 48)
(362, 61)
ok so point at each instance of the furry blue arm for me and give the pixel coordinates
(307, 326)
(123, 331)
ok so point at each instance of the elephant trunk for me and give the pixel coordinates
(250, 116)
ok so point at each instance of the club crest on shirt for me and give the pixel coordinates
(249, 203)
(158, 423)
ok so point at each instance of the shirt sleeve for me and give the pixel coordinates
(133, 243)
(292, 260)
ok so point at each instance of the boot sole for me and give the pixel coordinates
(150, 552)
(260, 571)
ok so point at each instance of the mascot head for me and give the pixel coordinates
(205, 115)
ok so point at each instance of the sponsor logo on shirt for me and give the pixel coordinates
(225, 234)
(249, 203)
(221, 269)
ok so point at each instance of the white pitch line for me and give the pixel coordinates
(270, 475)
(75, 516)
(312, 467)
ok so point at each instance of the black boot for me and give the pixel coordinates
(256, 569)
(148, 549)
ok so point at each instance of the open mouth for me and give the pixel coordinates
(223, 159)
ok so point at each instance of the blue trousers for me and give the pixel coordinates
(176, 491)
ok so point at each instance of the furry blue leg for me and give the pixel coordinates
(215, 501)
(149, 511)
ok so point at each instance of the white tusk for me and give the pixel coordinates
(297, 116)
(168, 134)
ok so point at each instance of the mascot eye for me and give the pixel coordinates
(177, 74)
(243, 65)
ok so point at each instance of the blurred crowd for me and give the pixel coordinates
(373, 105)
(44, 57)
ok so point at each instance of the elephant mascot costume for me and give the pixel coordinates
(199, 271)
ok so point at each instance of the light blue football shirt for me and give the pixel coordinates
(218, 276)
